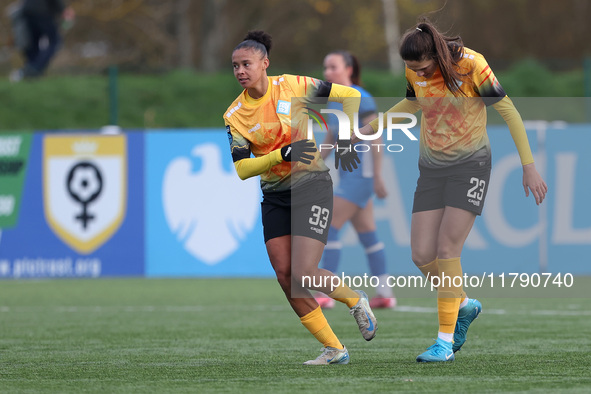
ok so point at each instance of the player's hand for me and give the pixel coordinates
(534, 182)
(299, 151)
(379, 187)
(346, 155)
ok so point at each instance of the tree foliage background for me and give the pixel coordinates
(160, 35)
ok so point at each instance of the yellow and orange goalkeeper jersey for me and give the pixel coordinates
(453, 128)
(263, 125)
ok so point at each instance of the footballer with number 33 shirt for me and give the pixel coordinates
(265, 122)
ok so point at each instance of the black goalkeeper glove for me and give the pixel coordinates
(298, 151)
(346, 155)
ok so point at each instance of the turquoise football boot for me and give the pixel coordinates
(440, 351)
(466, 316)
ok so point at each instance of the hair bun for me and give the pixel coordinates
(261, 37)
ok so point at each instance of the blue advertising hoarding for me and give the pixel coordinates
(169, 203)
(81, 209)
(513, 234)
(201, 219)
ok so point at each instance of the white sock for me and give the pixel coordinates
(445, 336)
(464, 303)
(383, 290)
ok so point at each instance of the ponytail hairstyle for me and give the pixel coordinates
(257, 40)
(424, 42)
(350, 61)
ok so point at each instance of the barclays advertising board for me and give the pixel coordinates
(513, 234)
(201, 219)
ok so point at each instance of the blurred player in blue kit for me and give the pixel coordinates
(353, 197)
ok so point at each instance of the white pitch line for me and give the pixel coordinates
(258, 308)
(417, 309)
(562, 313)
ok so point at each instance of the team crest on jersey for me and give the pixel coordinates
(283, 107)
(85, 188)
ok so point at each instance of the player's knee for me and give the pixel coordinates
(302, 274)
(283, 275)
(447, 250)
(285, 282)
(422, 258)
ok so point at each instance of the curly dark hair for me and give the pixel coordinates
(258, 40)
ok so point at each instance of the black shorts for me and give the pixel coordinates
(305, 210)
(460, 186)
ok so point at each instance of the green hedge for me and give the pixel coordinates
(186, 99)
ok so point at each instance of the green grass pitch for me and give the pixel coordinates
(240, 335)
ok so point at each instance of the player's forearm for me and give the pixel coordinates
(404, 106)
(511, 116)
(377, 156)
(247, 168)
(328, 140)
(341, 93)
(349, 97)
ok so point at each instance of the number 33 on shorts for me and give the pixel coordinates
(319, 217)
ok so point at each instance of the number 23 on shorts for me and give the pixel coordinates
(476, 191)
